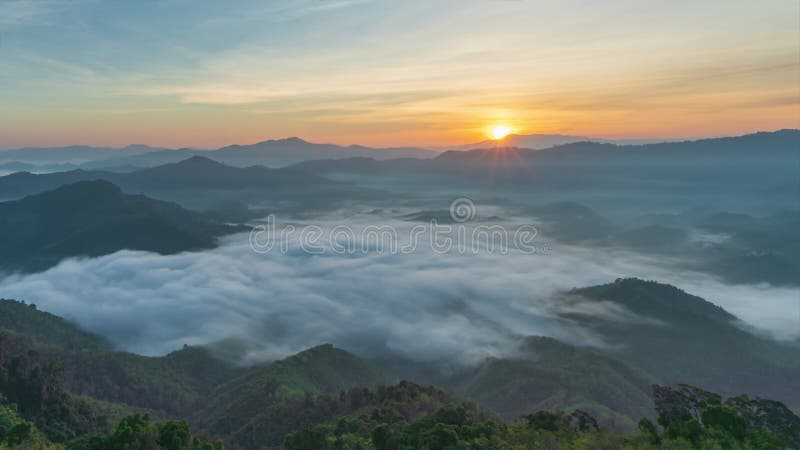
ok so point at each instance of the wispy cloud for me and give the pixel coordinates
(614, 71)
(280, 11)
(25, 12)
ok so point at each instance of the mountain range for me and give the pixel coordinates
(234, 194)
(273, 153)
(749, 173)
(521, 159)
(192, 173)
(248, 407)
(279, 152)
(542, 141)
(74, 154)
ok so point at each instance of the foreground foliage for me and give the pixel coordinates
(325, 398)
(138, 432)
(454, 428)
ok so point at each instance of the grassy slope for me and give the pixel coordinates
(174, 384)
(319, 370)
(554, 376)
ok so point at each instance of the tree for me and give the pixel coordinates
(649, 431)
(725, 419)
(174, 435)
(383, 438)
(306, 438)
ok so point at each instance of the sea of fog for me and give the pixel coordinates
(424, 304)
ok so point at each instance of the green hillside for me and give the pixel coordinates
(59, 383)
(250, 401)
(681, 338)
(45, 328)
(687, 418)
(550, 375)
(30, 392)
(174, 384)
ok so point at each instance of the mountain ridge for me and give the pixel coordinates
(193, 172)
(96, 218)
(286, 151)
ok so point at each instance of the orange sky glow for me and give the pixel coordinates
(420, 73)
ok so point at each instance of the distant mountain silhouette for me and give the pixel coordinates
(75, 154)
(93, 218)
(193, 173)
(757, 161)
(782, 141)
(202, 172)
(20, 184)
(293, 150)
(271, 153)
(534, 141)
(14, 166)
(542, 141)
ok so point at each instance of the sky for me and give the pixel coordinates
(208, 73)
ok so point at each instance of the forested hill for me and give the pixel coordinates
(60, 384)
(682, 338)
(93, 218)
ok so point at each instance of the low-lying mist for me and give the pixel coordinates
(422, 305)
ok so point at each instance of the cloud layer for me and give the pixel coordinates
(424, 306)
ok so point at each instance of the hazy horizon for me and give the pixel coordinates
(381, 74)
(434, 148)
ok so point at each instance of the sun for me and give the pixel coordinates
(500, 131)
